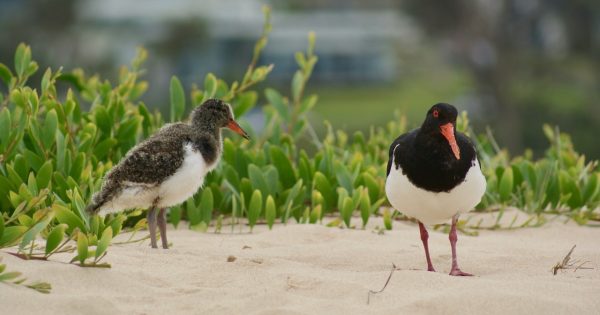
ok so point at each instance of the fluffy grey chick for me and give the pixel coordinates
(167, 168)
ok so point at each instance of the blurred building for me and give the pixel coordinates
(353, 44)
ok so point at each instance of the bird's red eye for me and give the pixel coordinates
(435, 113)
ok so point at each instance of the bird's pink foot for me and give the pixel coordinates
(430, 269)
(458, 272)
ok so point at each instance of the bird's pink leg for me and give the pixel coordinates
(424, 238)
(455, 271)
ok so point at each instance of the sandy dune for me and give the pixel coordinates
(312, 269)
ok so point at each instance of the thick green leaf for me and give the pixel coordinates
(206, 205)
(44, 175)
(270, 211)
(222, 89)
(592, 188)
(271, 176)
(82, 247)
(33, 232)
(387, 219)
(257, 179)
(244, 102)
(22, 59)
(365, 207)
(174, 216)
(5, 128)
(77, 166)
(342, 193)
(304, 170)
(316, 214)
(128, 129)
(278, 102)
(32, 184)
(49, 130)
(505, 185)
(1, 225)
(61, 144)
(324, 187)
(66, 216)
(9, 275)
(177, 99)
(5, 74)
(343, 176)
(255, 208)
(372, 186)
(193, 212)
(346, 210)
(210, 86)
(292, 194)
(34, 160)
(103, 120)
(297, 85)
(55, 237)
(104, 241)
(117, 223)
(568, 186)
(284, 166)
(102, 148)
(231, 175)
(11, 235)
(309, 103)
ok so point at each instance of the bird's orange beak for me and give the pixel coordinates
(448, 133)
(233, 125)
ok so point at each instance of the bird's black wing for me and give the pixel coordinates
(397, 146)
(153, 160)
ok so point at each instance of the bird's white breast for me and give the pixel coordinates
(187, 179)
(176, 189)
(434, 207)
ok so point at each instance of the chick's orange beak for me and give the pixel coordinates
(448, 133)
(233, 125)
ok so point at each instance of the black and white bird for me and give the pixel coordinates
(167, 168)
(433, 175)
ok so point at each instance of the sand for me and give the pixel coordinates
(313, 269)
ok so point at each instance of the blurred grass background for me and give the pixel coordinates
(359, 107)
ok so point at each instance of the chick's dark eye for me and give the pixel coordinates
(436, 114)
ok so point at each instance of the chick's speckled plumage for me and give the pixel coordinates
(159, 157)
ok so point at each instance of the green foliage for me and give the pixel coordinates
(255, 208)
(560, 182)
(14, 277)
(55, 149)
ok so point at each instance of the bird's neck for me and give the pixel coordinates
(208, 141)
(433, 146)
(208, 129)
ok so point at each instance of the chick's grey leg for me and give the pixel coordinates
(152, 226)
(162, 226)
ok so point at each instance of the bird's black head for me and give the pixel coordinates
(441, 114)
(441, 119)
(215, 114)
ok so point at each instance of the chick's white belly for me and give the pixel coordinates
(176, 189)
(431, 207)
(134, 195)
(185, 182)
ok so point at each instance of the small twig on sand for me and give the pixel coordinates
(567, 263)
(394, 268)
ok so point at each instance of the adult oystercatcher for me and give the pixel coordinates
(433, 175)
(167, 168)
